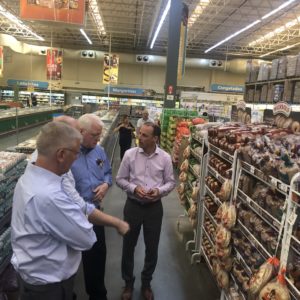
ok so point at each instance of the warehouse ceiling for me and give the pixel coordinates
(129, 25)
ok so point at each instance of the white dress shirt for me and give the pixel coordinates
(68, 185)
(48, 229)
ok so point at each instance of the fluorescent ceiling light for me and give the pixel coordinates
(197, 12)
(162, 19)
(18, 22)
(85, 35)
(281, 49)
(94, 10)
(282, 6)
(278, 30)
(233, 35)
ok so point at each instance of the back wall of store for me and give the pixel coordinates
(87, 73)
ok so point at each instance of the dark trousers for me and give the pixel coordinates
(150, 217)
(59, 291)
(124, 146)
(94, 267)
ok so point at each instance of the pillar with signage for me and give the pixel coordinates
(175, 18)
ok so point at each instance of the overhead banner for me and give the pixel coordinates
(68, 11)
(183, 41)
(1, 61)
(110, 69)
(54, 64)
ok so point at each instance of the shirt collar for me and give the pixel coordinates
(141, 150)
(39, 171)
(85, 150)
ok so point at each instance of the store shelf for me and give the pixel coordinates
(295, 293)
(221, 153)
(212, 196)
(236, 286)
(268, 180)
(266, 216)
(215, 174)
(197, 140)
(197, 175)
(241, 260)
(197, 156)
(206, 259)
(209, 237)
(252, 239)
(210, 216)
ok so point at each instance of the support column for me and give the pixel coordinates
(173, 53)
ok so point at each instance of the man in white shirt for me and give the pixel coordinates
(145, 118)
(48, 229)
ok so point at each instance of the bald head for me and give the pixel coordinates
(67, 120)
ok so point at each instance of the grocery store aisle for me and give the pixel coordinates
(175, 278)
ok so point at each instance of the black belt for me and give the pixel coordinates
(135, 201)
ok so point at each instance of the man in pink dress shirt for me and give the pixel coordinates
(146, 175)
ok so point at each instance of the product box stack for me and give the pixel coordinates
(296, 98)
(264, 72)
(288, 91)
(277, 93)
(257, 95)
(264, 93)
(282, 68)
(274, 69)
(252, 70)
(291, 65)
(250, 95)
(12, 166)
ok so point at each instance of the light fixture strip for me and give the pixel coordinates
(278, 30)
(162, 19)
(94, 10)
(233, 35)
(18, 22)
(281, 49)
(85, 35)
(252, 24)
(274, 11)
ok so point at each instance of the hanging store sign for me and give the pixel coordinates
(54, 61)
(1, 61)
(182, 41)
(28, 83)
(282, 108)
(110, 69)
(67, 11)
(124, 91)
(227, 88)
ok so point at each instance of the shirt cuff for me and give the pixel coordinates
(132, 188)
(89, 208)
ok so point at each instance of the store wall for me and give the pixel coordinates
(87, 74)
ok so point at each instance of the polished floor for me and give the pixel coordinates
(175, 278)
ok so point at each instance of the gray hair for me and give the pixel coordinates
(56, 135)
(87, 120)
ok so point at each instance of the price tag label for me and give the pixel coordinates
(248, 200)
(252, 169)
(292, 218)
